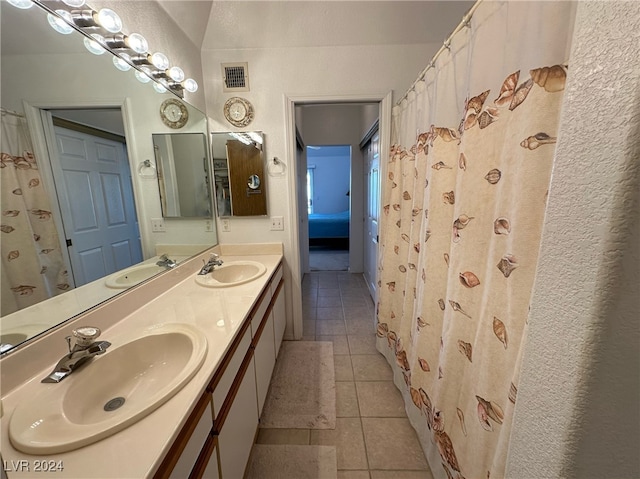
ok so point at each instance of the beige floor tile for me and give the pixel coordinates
(379, 399)
(340, 344)
(358, 314)
(309, 313)
(309, 328)
(283, 436)
(361, 326)
(400, 449)
(346, 399)
(332, 292)
(371, 367)
(362, 344)
(334, 313)
(349, 442)
(330, 327)
(426, 474)
(329, 301)
(342, 365)
(353, 475)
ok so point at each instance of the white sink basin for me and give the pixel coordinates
(110, 393)
(132, 276)
(231, 274)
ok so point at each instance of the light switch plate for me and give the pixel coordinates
(277, 223)
(157, 225)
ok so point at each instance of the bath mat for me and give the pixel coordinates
(302, 394)
(284, 461)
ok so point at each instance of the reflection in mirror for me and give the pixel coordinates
(54, 94)
(238, 160)
(254, 182)
(183, 174)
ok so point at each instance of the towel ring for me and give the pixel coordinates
(150, 169)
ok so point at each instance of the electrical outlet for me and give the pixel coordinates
(208, 225)
(226, 224)
(157, 225)
(277, 223)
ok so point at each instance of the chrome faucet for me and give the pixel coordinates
(211, 264)
(84, 348)
(166, 262)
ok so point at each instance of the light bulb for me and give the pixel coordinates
(24, 4)
(109, 20)
(121, 62)
(176, 74)
(159, 87)
(74, 3)
(94, 45)
(137, 43)
(190, 85)
(143, 76)
(60, 25)
(160, 61)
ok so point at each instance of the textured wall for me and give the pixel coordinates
(577, 411)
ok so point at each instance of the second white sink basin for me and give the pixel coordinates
(132, 276)
(231, 273)
(109, 394)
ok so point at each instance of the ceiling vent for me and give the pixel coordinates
(235, 76)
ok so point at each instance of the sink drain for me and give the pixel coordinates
(114, 404)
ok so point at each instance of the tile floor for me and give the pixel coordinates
(373, 437)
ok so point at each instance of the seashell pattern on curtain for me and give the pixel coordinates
(32, 266)
(453, 324)
(444, 321)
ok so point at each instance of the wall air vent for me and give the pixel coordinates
(235, 77)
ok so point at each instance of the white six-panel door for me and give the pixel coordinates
(96, 199)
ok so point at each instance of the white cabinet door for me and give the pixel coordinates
(194, 446)
(265, 357)
(211, 471)
(279, 319)
(238, 431)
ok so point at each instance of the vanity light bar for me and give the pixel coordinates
(102, 31)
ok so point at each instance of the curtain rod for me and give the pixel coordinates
(445, 46)
(11, 112)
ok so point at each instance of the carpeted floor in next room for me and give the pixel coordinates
(372, 438)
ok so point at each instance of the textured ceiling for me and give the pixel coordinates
(271, 24)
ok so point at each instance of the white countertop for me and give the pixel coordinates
(136, 451)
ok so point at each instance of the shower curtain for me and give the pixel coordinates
(32, 265)
(463, 208)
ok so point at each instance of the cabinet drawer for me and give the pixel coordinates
(279, 316)
(259, 311)
(223, 380)
(275, 281)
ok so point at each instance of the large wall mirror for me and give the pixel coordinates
(238, 161)
(184, 179)
(80, 194)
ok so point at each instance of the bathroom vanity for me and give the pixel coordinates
(207, 428)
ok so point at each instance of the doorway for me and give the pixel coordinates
(334, 125)
(328, 185)
(302, 130)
